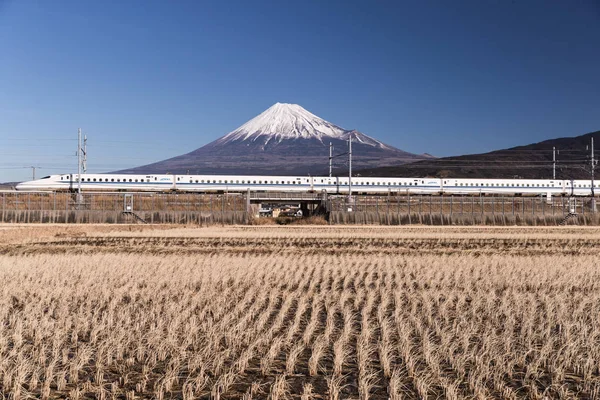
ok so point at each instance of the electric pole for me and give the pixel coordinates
(330, 157)
(79, 165)
(350, 167)
(553, 162)
(33, 172)
(592, 171)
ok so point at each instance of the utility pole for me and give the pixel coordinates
(350, 167)
(79, 165)
(330, 157)
(553, 163)
(32, 173)
(592, 171)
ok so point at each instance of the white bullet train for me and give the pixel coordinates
(332, 185)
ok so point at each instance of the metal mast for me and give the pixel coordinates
(592, 171)
(330, 157)
(350, 166)
(553, 162)
(79, 165)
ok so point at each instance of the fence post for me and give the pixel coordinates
(442, 205)
(223, 209)
(543, 206)
(481, 206)
(409, 217)
(430, 207)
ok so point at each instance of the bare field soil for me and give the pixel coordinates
(165, 312)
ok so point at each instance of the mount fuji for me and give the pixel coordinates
(285, 139)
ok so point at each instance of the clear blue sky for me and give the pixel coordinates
(147, 80)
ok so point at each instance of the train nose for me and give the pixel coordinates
(24, 186)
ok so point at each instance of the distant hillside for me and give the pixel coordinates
(533, 161)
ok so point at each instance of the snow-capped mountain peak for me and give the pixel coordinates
(284, 121)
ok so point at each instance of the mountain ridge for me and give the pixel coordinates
(532, 161)
(285, 139)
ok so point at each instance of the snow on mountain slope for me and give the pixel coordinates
(284, 121)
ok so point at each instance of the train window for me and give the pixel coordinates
(271, 182)
(94, 179)
(112, 180)
(130, 179)
(253, 181)
(136, 180)
(196, 180)
(155, 178)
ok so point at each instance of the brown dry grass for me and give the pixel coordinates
(299, 312)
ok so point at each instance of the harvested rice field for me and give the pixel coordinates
(299, 312)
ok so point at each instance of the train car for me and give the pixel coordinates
(331, 185)
(112, 182)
